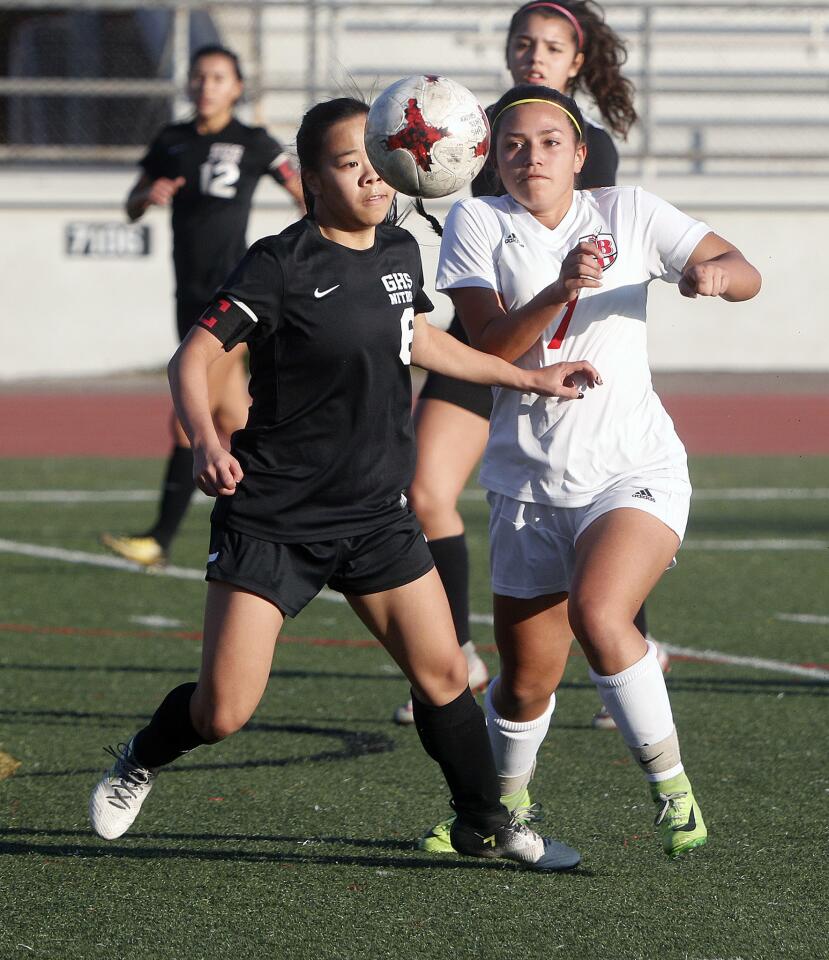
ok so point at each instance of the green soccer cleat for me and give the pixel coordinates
(437, 840)
(679, 817)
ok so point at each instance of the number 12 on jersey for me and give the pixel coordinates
(561, 331)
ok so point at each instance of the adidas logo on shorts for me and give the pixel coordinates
(644, 494)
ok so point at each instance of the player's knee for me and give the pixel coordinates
(429, 502)
(228, 420)
(444, 681)
(219, 722)
(522, 691)
(594, 619)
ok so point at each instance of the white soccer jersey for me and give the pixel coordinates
(565, 452)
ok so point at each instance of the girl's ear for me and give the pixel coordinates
(311, 182)
(581, 156)
(575, 66)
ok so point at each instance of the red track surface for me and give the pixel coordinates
(135, 424)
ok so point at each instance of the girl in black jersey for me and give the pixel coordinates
(312, 489)
(208, 169)
(569, 47)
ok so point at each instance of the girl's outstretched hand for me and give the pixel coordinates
(216, 471)
(564, 379)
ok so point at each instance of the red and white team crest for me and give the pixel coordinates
(607, 248)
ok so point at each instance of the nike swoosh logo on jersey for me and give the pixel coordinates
(211, 557)
(319, 294)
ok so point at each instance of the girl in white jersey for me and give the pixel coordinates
(570, 47)
(589, 500)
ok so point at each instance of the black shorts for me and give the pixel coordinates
(290, 575)
(473, 397)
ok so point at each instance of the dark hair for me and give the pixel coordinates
(529, 91)
(604, 54)
(311, 134)
(215, 49)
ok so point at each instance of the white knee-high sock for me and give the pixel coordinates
(514, 745)
(637, 699)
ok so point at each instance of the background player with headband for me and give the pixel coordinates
(569, 47)
(208, 169)
(311, 492)
(588, 501)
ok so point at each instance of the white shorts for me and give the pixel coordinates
(532, 546)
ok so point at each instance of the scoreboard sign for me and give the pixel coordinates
(116, 240)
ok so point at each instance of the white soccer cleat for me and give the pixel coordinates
(478, 672)
(662, 657)
(404, 715)
(117, 798)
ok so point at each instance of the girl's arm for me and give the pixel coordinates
(146, 193)
(716, 268)
(214, 469)
(435, 350)
(509, 335)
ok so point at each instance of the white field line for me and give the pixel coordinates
(754, 545)
(115, 563)
(802, 618)
(156, 620)
(185, 573)
(756, 663)
(761, 494)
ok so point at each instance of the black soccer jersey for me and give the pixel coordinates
(328, 447)
(210, 212)
(599, 168)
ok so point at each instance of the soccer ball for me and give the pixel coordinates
(427, 136)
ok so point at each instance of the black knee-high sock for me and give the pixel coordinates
(455, 736)
(452, 563)
(176, 492)
(640, 621)
(170, 734)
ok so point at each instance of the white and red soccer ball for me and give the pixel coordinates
(427, 136)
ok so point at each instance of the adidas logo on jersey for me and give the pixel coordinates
(644, 494)
(512, 238)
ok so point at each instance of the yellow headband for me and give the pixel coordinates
(551, 103)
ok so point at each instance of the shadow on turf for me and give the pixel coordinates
(355, 743)
(723, 685)
(800, 687)
(107, 850)
(191, 671)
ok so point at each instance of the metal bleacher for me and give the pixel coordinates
(738, 87)
(728, 88)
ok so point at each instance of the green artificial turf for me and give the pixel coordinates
(294, 839)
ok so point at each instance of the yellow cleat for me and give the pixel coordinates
(678, 817)
(146, 551)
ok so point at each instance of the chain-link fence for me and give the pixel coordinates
(722, 88)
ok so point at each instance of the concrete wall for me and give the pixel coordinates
(70, 315)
